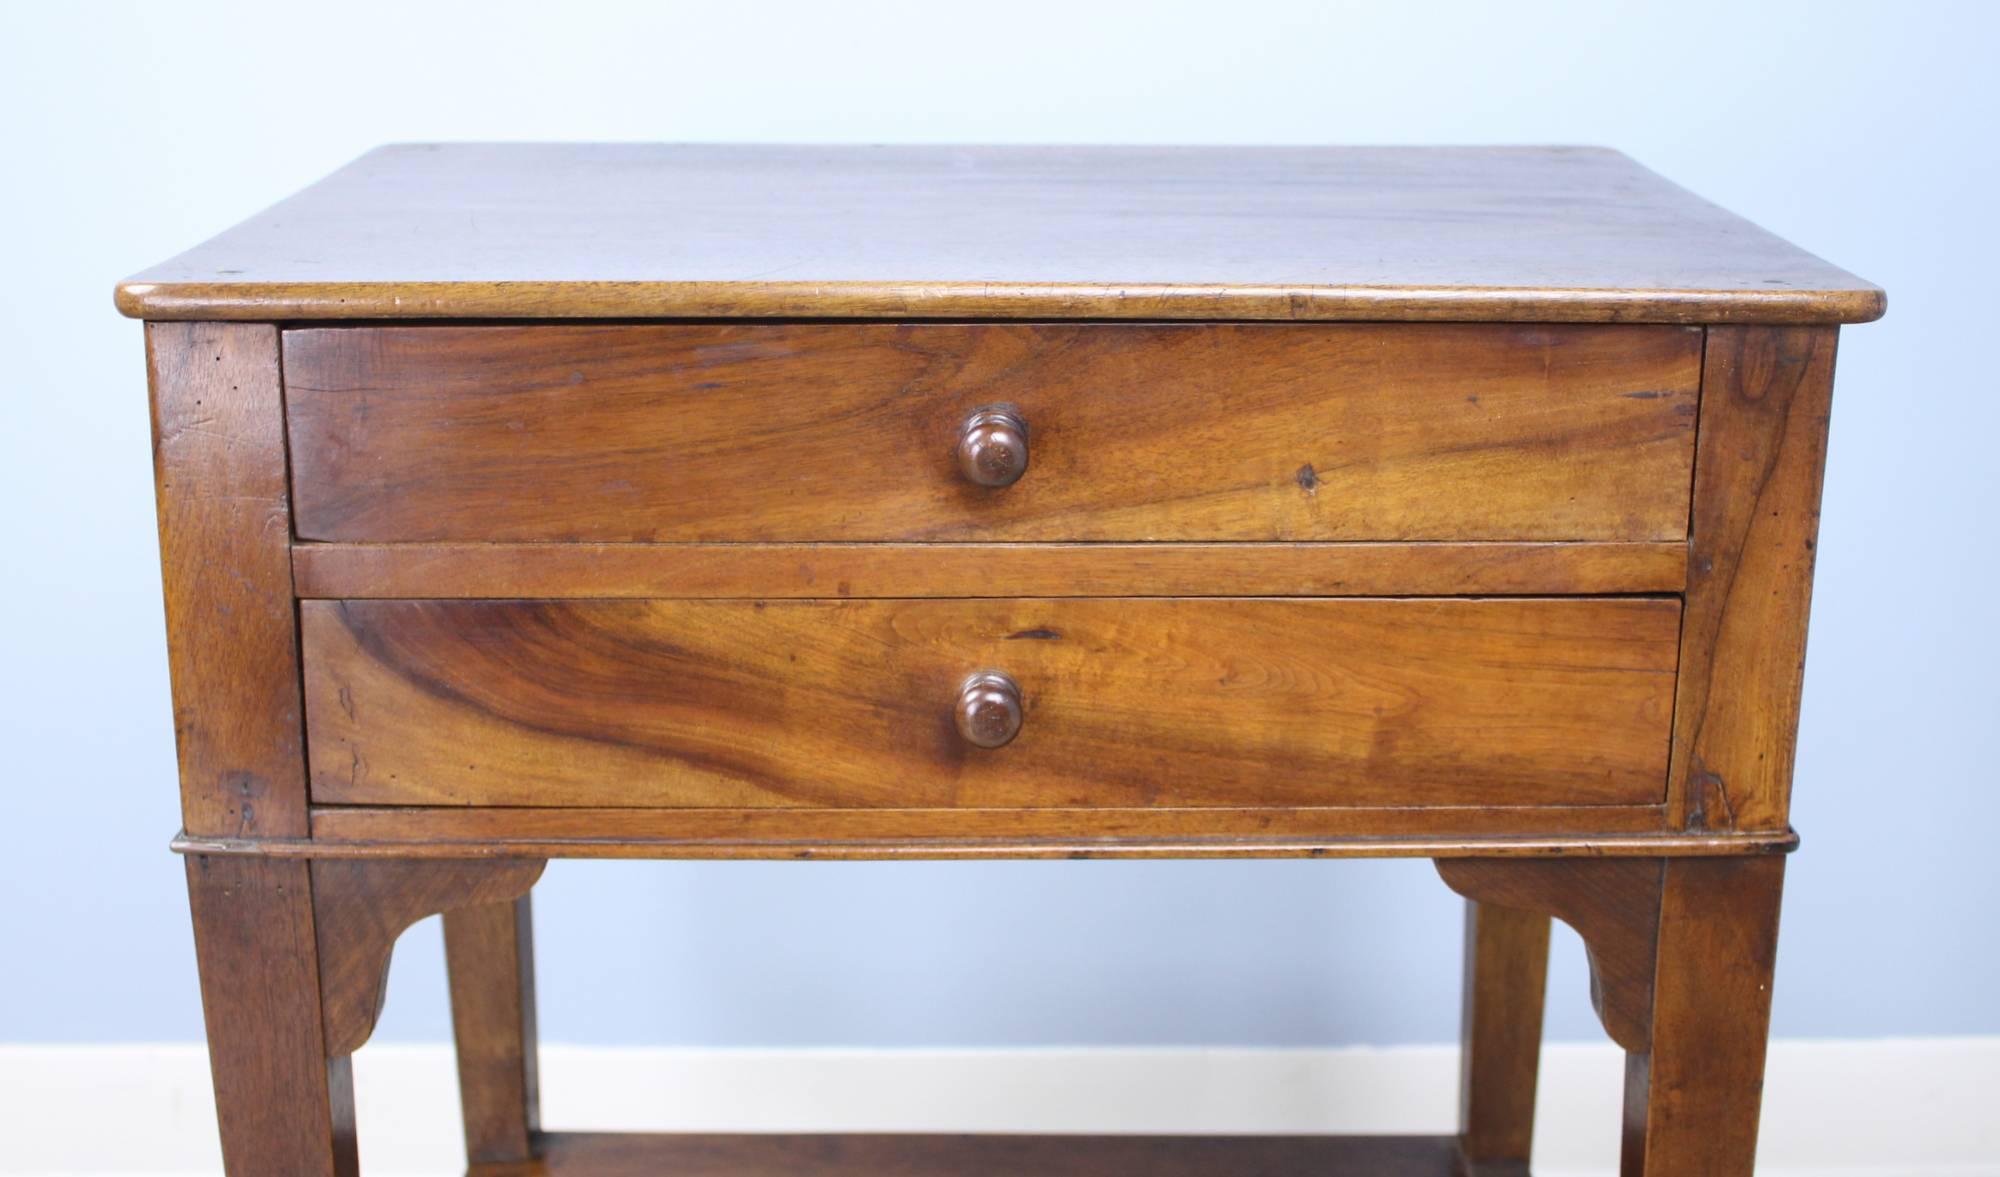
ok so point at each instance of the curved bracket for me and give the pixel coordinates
(360, 907)
(1613, 903)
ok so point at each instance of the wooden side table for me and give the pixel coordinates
(521, 502)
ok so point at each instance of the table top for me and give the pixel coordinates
(1529, 234)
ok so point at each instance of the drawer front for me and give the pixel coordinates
(1124, 702)
(779, 432)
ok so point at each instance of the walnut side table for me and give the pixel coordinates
(524, 502)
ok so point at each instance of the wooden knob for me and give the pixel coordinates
(993, 447)
(989, 709)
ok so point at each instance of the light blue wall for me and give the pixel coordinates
(1865, 132)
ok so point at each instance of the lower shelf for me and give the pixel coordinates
(612, 1155)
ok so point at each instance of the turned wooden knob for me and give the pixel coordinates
(989, 709)
(993, 447)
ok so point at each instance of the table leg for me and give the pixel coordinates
(1692, 1100)
(490, 954)
(1506, 969)
(282, 1105)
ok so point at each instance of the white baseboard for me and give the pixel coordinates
(1907, 1107)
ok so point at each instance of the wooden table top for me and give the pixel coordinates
(1550, 234)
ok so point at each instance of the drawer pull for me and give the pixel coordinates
(989, 709)
(993, 447)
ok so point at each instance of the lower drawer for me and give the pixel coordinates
(1122, 703)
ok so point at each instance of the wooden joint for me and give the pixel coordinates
(361, 906)
(1613, 903)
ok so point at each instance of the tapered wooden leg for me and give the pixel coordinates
(489, 951)
(283, 1107)
(1506, 969)
(1692, 1100)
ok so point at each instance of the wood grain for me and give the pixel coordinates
(1594, 831)
(1506, 970)
(555, 571)
(847, 704)
(649, 231)
(490, 959)
(1766, 395)
(612, 1155)
(1692, 1101)
(361, 907)
(811, 830)
(219, 460)
(1614, 905)
(284, 1103)
(817, 432)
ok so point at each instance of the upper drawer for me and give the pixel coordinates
(793, 432)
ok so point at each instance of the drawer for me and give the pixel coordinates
(858, 432)
(1123, 702)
